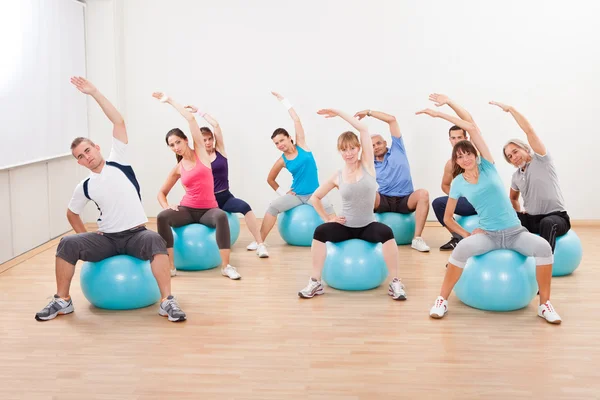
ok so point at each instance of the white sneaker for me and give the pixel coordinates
(252, 246)
(419, 244)
(262, 251)
(230, 272)
(396, 290)
(547, 312)
(173, 272)
(312, 289)
(439, 309)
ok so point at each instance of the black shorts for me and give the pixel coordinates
(334, 232)
(393, 204)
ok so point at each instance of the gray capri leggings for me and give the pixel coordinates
(290, 201)
(516, 238)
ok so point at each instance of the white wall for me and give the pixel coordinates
(226, 56)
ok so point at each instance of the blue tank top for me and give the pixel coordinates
(304, 172)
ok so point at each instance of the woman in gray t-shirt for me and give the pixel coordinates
(536, 179)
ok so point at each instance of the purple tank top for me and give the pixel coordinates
(220, 170)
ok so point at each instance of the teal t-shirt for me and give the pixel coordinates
(488, 197)
(304, 172)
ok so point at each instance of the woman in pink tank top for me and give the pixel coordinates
(198, 205)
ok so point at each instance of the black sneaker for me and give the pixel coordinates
(169, 308)
(56, 306)
(450, 245)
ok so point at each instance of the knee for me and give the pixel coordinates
(156, 241)
(68, 243)
(546, 223)
(245, 209)
(163, 217)
(423, 195)
(439, 203)
(386, 234)
(221, 218)
(320, 234)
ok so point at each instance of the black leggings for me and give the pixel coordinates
(375, 232)
(548, 226)
(211, 217)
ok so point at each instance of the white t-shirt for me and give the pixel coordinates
(115, 194)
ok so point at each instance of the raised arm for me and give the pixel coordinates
(367, 158)
(300, 137)
(220, 146)
(193, 124)
(389, 119)
(85, 86)
(533, 139)
(166, 188)
(441, 99)
(469, 127)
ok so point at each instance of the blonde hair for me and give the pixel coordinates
(347, 140)
(518, 143)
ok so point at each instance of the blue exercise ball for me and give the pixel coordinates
(354, 265)
(567, 254)
(500, 280)
(468, 223)
(119, 283)
(297, 225)
(195, 248)
(234, 227)
(403, 225)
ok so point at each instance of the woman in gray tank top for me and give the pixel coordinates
(536, 179)
(358, 187)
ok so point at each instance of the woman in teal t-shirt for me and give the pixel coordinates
(476, 179)
(298, 159)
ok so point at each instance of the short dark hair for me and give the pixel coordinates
(458, 128)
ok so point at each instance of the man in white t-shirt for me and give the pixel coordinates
(112, 185)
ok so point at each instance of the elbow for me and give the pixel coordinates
(448, 220)
(391, 119)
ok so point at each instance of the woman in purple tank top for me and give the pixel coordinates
(215, 147)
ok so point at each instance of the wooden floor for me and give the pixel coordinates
(255, 339)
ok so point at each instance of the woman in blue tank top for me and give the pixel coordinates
(358, 188)
(215, 147)
(299, 161)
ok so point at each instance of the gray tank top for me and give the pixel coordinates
(358, 200)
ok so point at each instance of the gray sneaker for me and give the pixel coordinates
(170, 308)
(56, 306)
(311, 290)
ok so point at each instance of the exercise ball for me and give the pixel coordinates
(195, 248)
(234, 227)
(468, 223)
(500, 280)
(119, 283)
(297, 225)
(403, 225)
(354, 265)
(567, 254)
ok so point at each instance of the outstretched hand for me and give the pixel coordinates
(191, 108)
(361, 114)
(277, 95)
(83, 85)
(328, 112)
(159, 96)
(504, 107)
(428, 111)
(439, 99)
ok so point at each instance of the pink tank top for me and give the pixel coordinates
(199, 186)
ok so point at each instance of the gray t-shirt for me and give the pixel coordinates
(539, 187)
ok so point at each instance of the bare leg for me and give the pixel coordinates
(64, 275)
(419, 201)
(252, 224)
(225, 253)
(452, 276)
(160, 270)
(319, 254)
(543, 274)
(390, 255)
(267, 224)
(171, 258)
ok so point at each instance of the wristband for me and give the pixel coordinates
(281, 192)
(286, 103)
(164, 98)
